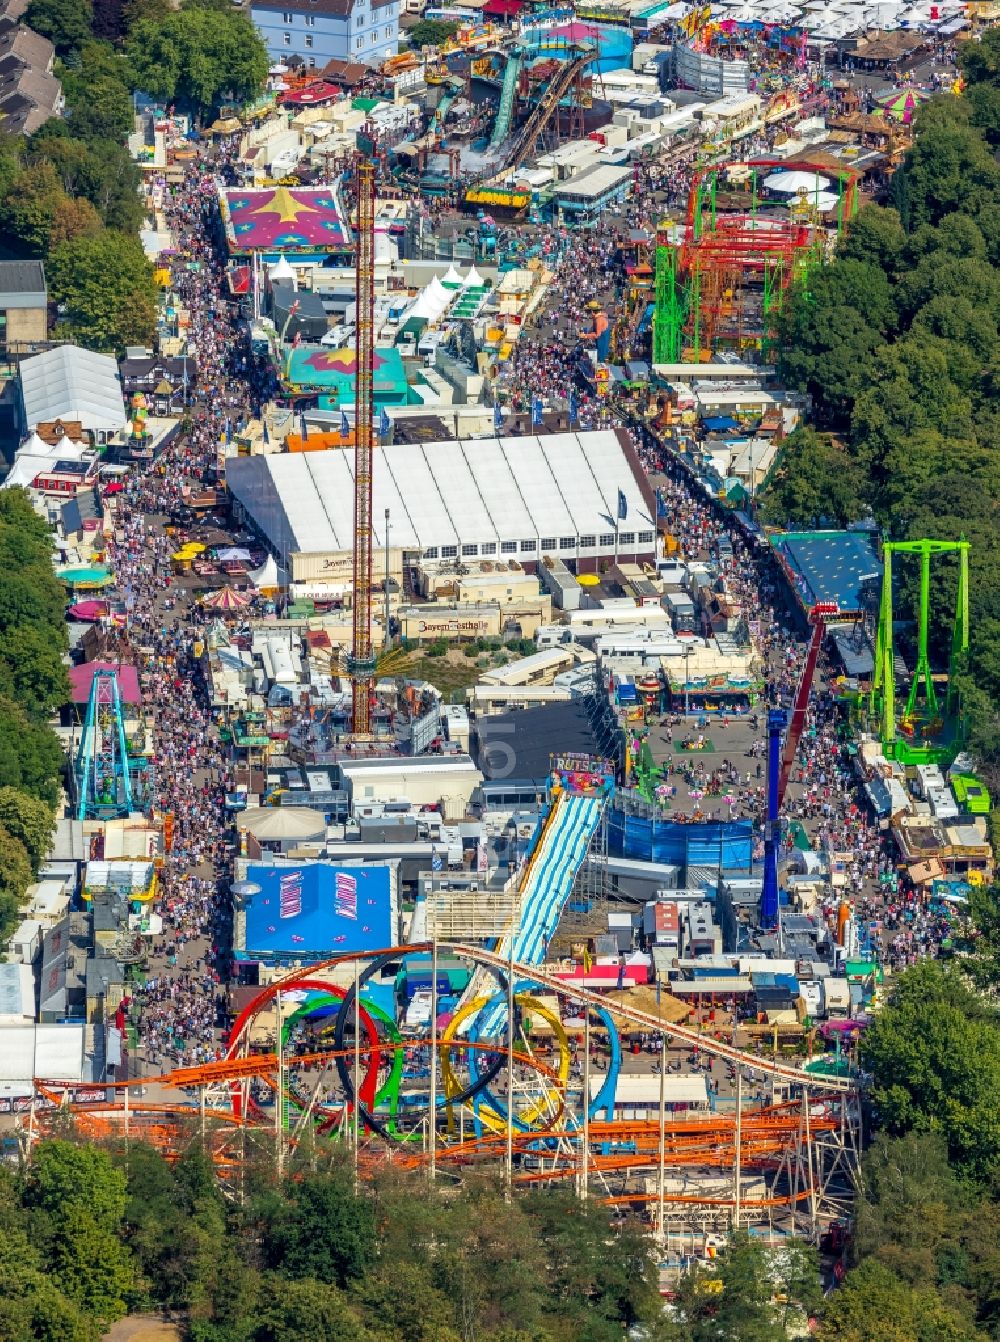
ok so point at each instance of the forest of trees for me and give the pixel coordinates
(32, 685)
(69, 193)
(896, 343)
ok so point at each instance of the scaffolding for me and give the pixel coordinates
(722, 276)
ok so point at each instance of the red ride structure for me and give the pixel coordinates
(361, 663)
(721, 282)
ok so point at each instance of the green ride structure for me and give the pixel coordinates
(928, 731)
(721, 277)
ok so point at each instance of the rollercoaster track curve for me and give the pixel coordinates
(536, 974)
(547, 1129)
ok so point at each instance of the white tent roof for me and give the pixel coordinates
(52, 1052)
(492, 490)
(473, 280)
(791, 183)
(31, 460)
(821, 200)
(432, 302)
(72, 383)
(281, 270)
(267, 575)
(283, 822)
(451, 276)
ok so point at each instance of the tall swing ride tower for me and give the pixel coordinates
(361, 662)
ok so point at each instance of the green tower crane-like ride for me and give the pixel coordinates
(927, 732)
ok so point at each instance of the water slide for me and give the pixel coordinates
(505, 111)
(548, 881)
(545, 109)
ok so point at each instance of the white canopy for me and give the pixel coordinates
(473, 280)
(791, 183)
(281, 271)
(267, 574)
(283, 822)
(432, 302)
(821, 200)
(451, 276)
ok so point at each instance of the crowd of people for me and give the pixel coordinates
(177, 1012)
(903, 923)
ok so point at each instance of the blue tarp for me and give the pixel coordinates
(719, 424)
(725, 843)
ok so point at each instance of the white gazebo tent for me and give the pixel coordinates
(267, 577)
(282, 273)
(432, 302)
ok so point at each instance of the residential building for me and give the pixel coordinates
(161, 378)
(24, 305)
(363, 32)
(29, 92)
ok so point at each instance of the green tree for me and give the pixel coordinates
(874, 237)
(293, 1310)
(103, 111)
(404, 1296)
(199, 57)
(817, 483)
(30, 209)
(832, 335)
(32, 669)
(34, 1309)
(934, 1057)
(596, 1284)
(15, 877)
(76, 1197)
(874, 1305)
(948, 164)
(980, 63)
(31, 757)
(431, 33)
(105, 284)
(62, 1173)
(326, 1231)
(31, 821)
(66, 23)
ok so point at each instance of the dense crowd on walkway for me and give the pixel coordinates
(178, 1010)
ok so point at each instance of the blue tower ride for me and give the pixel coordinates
(104, 787)
(777, 720)
(780, 759)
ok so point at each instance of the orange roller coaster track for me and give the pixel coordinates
(771, 1140)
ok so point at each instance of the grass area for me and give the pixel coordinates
(453, 672)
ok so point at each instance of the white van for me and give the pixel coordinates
(428, 347)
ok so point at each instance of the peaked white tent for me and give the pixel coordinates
(267, 576)
(473, 280)
(282, 272)
(431, 303)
